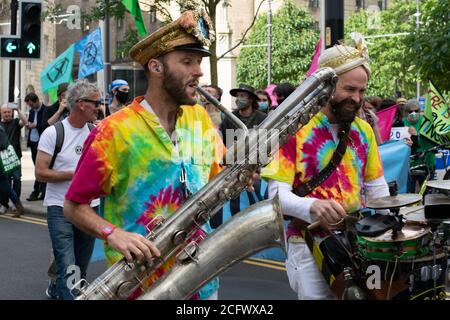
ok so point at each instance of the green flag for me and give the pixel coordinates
(133, 7)
(437, 110)
(59, 71)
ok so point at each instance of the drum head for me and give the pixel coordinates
(410, 231)
(374, 225)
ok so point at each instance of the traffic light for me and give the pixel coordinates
(30, 29)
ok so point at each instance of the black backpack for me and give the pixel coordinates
(60, 140)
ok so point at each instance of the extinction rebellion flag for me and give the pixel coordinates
(91, 53)
(59, 71)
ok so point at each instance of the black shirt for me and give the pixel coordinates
(250, 122)
(50, 111)
(12, 129)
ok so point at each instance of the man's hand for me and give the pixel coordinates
(255, 176)
(31, 125)
(133, 246)
(329, 212)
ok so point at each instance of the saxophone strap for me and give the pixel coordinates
(308, 187)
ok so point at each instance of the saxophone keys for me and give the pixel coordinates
(188, 253)
(179, 237)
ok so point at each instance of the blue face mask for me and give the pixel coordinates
(242, 103)
(263, 105)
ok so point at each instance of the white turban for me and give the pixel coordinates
(343, 58)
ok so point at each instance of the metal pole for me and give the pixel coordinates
(269, 47)
(322, 22)
(417, 33)
(12, 63)
(106, 62)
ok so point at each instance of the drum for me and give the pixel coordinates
(415, 279)
(411, 242)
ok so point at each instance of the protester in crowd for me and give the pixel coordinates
(128, 171)
(309, 194)
(413, 120)
(399, 115)
(36, 126)
(5, 186)
(59, 110)
(375, 102)
(367, 114)
(264, 101)
(212, 110)
(247, 111)
(12, 128)
(120, 92)
(71, 246)
(282, 91)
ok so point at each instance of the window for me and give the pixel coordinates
(360, 4)
(28, 64)
(313, 3)
(382, 4)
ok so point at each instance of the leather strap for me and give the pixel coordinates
(308, 187)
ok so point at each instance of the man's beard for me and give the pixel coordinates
(344, 116)
(175, 87)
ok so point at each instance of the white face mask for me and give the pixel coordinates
(413, 116)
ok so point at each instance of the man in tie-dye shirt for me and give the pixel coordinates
(136, 157)
(359, 174)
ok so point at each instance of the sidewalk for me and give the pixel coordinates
(31, 207)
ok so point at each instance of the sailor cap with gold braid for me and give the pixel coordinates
(343, 58)
(191, 31)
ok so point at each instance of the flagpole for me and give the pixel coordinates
(106, 61)
(269, 47)
(417, 34)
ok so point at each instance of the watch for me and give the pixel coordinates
(107, 230)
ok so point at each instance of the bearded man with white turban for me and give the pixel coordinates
(357, 178)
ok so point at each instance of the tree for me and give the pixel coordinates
(116, 10)
(294, 41)
(390, 56)
(430, 49)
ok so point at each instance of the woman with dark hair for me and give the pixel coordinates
(264, 101)
(282, 91)
(247, 111)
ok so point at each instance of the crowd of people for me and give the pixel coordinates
(87, 150)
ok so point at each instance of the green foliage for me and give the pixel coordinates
(123, 47)
(403, 58)
(293, 44)
(390, 56)
(430, 48)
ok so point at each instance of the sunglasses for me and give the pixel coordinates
(96, 102)
(411, 111)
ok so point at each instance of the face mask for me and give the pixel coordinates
(241, 103)
(413, 117)
(122, 96)
(263, 105)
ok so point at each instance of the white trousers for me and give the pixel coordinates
(304, 275)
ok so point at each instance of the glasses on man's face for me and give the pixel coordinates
(96, 102)
(411, 111)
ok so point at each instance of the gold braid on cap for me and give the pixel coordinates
(343, 58)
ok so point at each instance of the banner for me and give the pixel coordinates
(133, 7)
(437, 110)
(428, 130)
(385, 120)
(91, 53)
(59, 71)
(315, 59)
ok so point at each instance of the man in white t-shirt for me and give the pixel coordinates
(72, 248)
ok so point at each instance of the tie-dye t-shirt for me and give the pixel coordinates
(306, 154)
(130, 160)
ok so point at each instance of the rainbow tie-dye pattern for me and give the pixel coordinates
(306, 154)
(131, 162)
